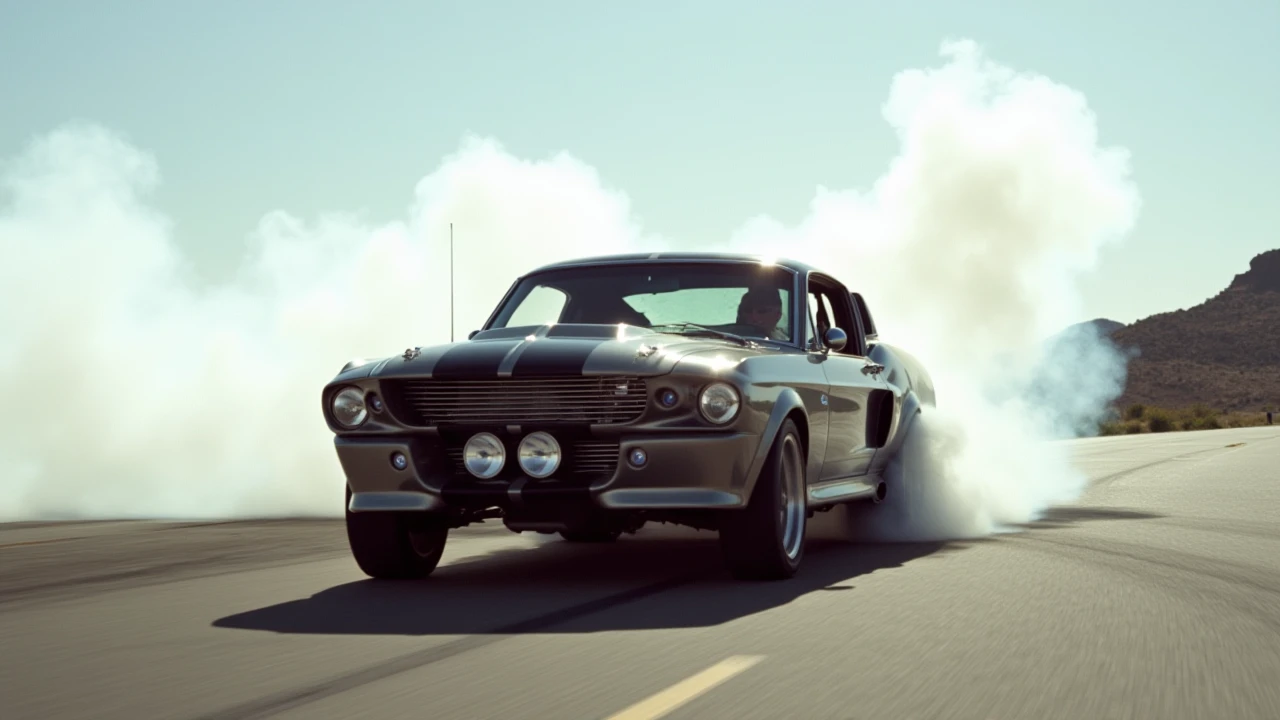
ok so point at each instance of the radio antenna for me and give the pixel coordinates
(450, 282)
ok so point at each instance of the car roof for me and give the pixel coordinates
(685, 256)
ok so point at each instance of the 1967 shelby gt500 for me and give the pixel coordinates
(717, 391)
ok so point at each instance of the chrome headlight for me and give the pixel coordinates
(719, 403)
(348, 407)
(484, 455)
(539, 455)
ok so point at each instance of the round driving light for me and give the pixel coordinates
(399, 461)
(484, 455)
(668, 398)
(348, 407)
(638, 457)
(539, 454)
(375, 402)
(719, 403)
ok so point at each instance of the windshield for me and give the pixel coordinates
(748, 300)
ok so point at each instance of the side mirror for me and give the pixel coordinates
(472, 334)
(835, 338)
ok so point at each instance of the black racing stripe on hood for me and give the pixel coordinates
(559, 356)
(473, 360)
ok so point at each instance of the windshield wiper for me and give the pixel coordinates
(688, 328)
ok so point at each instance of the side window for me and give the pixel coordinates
(842, 317)
(820, 316)
(542, 305)
(830, 312)
(811, 335)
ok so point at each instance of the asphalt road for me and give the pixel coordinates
(1156, 596)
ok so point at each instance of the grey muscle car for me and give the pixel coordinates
(717, 391)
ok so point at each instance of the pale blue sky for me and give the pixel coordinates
(706, 114)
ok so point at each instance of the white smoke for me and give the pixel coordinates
(131, 394)
(968, 251)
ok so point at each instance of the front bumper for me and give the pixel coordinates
(681, 471)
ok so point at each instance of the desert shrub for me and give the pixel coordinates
(1138, 418)
(1200, 411)
(1159, 421)
(1110, 428)
(1203, 423)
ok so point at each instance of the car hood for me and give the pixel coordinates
(560, 350)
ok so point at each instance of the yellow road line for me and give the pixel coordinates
(655, 706)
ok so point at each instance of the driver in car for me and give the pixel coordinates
(761, 307)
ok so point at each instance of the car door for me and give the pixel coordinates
(852, 378)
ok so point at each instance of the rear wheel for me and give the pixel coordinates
(765, 541)
(396, 546)
(902, 513)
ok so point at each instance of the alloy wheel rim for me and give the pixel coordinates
(792, 506)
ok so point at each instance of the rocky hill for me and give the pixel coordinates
(1104, 327)
(1224, 352)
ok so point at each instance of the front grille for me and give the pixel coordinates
(582, 457)
(595, 457)
(596, 400)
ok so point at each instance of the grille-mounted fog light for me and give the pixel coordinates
(484, 455)
(539, 454)
(638, 457)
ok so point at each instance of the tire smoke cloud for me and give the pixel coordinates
(135, 393)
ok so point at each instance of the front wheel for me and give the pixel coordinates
(395, 545)
(765, 541)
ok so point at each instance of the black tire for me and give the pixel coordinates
(394, 545)
(904, 481)
(904, 508)
(762, 542)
